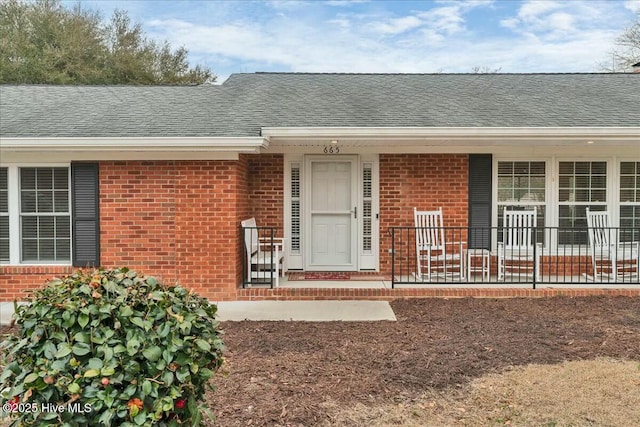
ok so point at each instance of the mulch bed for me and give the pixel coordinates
(282, 373)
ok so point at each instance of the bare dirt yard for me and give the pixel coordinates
(469, 362)
(457, 362)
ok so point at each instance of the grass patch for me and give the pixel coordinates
(601, 392)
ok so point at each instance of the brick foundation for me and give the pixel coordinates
(299, 294)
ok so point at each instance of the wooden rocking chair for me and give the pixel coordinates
(611, 258)
(436, 258)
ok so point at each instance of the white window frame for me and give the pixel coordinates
(544, 203)
(15, 237)
(496, 203)
(620, 202)
(607, 189)
(552, 191)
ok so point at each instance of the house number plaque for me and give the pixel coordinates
(330, 149)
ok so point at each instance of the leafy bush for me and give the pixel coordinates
(110, 348)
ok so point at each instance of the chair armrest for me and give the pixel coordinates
(276, 240)
(632, 245)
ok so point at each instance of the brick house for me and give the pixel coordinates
(159, 178)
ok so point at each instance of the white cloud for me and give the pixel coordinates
(633, 5)
(344, 2)
(396, 25)
(571, 36)
(340, 22)
(448, 20)
(568, 20)
(536, 9)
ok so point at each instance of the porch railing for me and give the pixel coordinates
(259, 256)
(480, 256)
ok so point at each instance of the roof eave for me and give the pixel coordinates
(455, 134)
(137, 144)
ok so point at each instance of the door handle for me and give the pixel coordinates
(355, 212)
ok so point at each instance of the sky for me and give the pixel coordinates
(361, 36)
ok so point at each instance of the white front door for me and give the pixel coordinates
(332, 231)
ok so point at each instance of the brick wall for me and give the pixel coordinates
(425, 181)
(242, 210)
(266, 190)
(16, 282)
(137, 217)
(206, 227)
(177, 220)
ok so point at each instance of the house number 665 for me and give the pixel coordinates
(331, 150)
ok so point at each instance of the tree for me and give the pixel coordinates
(42, 42)
(476, 69)
(627, 49)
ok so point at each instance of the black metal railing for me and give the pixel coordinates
(259, 257)
(553, 255)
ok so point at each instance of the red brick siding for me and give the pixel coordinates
(206, 227)
(16, 282)
(177, 220)
(137, 217)
(180, 221)
(425, 181)
(266, 190)
(242, 210)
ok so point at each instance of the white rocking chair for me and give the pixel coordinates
(611, 259)
(264, 255)
(435, 256)
(517, 255)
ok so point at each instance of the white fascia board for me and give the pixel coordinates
(622, 134)
(142, 144)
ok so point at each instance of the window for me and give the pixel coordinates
(4, 215)
(45, 220)
(630, 201)
(36, 210)
(581, 185)
(521, 185)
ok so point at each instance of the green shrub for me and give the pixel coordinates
(110, 348)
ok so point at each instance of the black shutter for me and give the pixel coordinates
(85, 214)
(480, 166)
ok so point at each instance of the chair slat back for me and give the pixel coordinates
(429, 229)
(251, 241)
(518, 228)
(598, 224)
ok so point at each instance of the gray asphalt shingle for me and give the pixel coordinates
(247, 102)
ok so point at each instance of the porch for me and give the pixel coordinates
(557, 260)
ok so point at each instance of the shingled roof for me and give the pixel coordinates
(245, 103)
